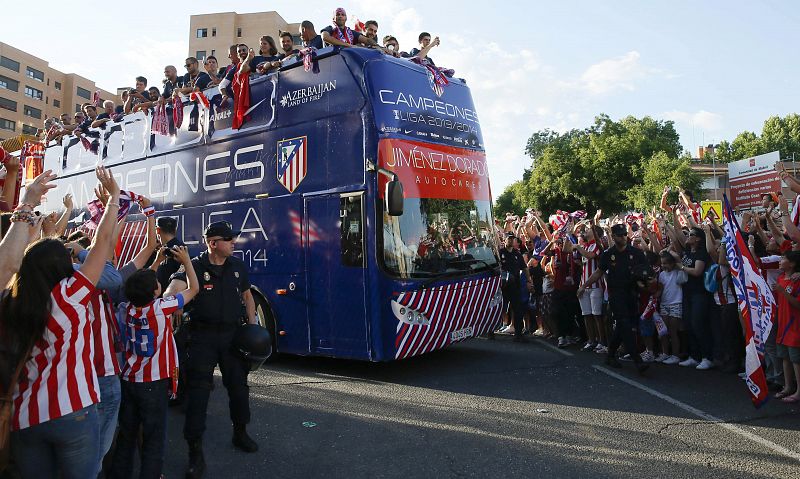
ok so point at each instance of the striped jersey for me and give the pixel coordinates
(59, 378)
(150, 352)
(104, 332)
(590, 265)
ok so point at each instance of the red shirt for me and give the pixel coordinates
(104, 331)
(565, 269)
(60, 378)
(788, 317)
(150, 352)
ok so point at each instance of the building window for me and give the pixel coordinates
(8, 83)
(7, 124)
(296, 40)
(239, 32)
(202, 32)
(214, 32)
(34, 73)
(7, 104)
(34, 93)
(9, 63)
(29, 130)
(213, 53)
(77, 107)
(58, 85)
(56, 103)
(33, 112)
(200, 55)
(84, 93)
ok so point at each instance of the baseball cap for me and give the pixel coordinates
(619, 230)
(220, 228)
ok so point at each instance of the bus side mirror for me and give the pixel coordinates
(394, 197)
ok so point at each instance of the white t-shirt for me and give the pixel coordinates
(547, 284)
(671, 281)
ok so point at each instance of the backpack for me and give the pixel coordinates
(710, 278)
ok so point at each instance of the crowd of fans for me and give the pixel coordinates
(244, 63)
(687, 305)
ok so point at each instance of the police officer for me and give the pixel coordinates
(222, 305)
(512, 266)
(618, 264)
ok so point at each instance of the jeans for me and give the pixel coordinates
(67, 445)
(697, 320)
(145, 405)
(205, 350)
(108, 410)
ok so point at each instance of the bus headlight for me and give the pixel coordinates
(409, 315)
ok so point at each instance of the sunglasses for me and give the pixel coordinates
(188, 65)
(229, 238)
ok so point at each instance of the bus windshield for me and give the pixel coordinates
(437, 236)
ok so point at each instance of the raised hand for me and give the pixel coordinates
(37, 189)
(68, 204)
(107, 180)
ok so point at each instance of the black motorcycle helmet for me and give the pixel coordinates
(253, 344)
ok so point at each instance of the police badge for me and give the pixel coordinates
(206, 276)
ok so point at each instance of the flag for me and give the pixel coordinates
(200, 98)
(96, 101)
(756, 303)
(32, 156)
(97, 208)
(359, 26)
(241, 99)
(177, 112)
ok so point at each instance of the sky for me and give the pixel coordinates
(714, 67)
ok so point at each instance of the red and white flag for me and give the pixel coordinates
(756, 304)
(200, 98)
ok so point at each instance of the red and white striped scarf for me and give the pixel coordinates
(97, 208)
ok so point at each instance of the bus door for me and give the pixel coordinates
(335, 261)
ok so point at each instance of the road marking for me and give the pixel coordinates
(549, 346)
(703, 415)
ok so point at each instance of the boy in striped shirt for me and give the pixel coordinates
(150, 372)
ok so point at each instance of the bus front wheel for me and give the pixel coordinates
(266, 319)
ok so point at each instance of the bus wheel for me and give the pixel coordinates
(266, 319)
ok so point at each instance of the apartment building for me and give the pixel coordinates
(213, 33)
(31, 91)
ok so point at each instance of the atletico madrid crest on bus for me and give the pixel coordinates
(292, 162)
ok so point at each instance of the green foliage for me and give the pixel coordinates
(659, 171)
(510, 200)
(596, 167)
(778, 134)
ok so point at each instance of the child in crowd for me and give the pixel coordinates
(787, 292)
(671, 280)
(151, 364)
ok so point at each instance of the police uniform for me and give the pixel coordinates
(512, 265)
(214, 315)
(618, 267)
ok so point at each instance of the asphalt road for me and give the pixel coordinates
(496, 409)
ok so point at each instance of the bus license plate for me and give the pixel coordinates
(460, 334)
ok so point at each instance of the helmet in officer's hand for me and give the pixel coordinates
(253, 344)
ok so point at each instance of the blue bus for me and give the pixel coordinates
(361, 191)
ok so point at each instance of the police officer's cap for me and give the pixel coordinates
(220, 228)
(167, 223)
(619, 230)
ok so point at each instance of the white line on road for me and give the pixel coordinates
(704, 415)
(546, 344)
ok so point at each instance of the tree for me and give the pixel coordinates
(510, 200)
(595, 167)
(659, 171)
(777, 134)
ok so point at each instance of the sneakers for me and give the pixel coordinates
(661, 357)
(601, 349)
(671, 360)
(508, 330)
(705, 364)
(647, 356)
(626, 358)
(563, 342)
(688, 363)
(589, 346)
(540, 333)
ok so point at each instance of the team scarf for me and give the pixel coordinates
(310, 62)
(97, 208)
(177, 111)
(96, 101)
(160, 122)
(756, 303)
(200, 98)
(636, 218)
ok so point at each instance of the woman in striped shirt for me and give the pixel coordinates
(44, 321)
